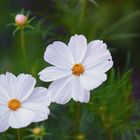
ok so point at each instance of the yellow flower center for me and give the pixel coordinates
(37, 131)
(14, 104)
(78, 69)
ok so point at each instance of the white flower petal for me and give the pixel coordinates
(21, 118)
(53, 73)
(103, 66)
(60, 90)
(92, 79)
(3, 109)
(3, 99)
(98, 45)
(41, 116)
(39, 95)
(4, 122)
(40, 110)
(6, 88)
(78, 47)
(8, 84)
(11, 83)
(25, 86)
(16, 87)
(98, 56)
(58, 54)
(79, 93)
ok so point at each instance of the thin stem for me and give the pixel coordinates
(22, 39)
(22, 42)
(110, 135)
(18, 134)
(78, 114)
(83, 9)
(107, 126)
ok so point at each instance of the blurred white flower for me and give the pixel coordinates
(78, 68)
(20, 102)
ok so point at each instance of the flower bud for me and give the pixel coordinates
(80, 137)
(20, 19)
(37, 131)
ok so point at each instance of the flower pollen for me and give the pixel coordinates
(14, 104)
(78, 69)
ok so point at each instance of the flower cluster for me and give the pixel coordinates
(77, 68)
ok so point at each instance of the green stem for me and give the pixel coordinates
(83, 9)
(22, 39)
(18, 134)
(110, 135)
(23, 48)
(78, 113)
(107, 126)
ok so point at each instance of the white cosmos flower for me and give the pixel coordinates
(78, 68)
(20, 102)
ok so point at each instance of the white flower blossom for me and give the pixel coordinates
(78, 68)
(21, 103)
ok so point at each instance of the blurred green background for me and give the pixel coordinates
(116, 22)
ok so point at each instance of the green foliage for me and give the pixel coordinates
(113, 106)
(80, 16)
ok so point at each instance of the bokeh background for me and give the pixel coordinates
(117, 22)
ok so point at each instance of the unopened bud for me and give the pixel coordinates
(37, 131)
(80, 137)
(20, 19)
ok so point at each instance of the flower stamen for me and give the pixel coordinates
(78, 69)
(14, 104)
